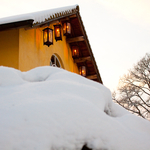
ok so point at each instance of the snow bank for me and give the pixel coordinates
(50, 108)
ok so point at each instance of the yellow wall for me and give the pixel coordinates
(9, 48)
(32, 52)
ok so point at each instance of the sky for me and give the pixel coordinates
(118, 30)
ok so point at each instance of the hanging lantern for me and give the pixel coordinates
(48, 36)
(82, 70)
(57, 29)
(75, 51)
(67, 28)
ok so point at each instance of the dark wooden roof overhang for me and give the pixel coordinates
(80, 39)
(17, 24)
(86, 55)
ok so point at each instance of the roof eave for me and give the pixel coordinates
(89, 48)
(53, 20)
(17, 24)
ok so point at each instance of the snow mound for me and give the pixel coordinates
(51, 108)
(10, 76)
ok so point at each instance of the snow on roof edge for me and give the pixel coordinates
(41, 16)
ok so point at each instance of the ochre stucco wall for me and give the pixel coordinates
(32, 52)
(9, 48)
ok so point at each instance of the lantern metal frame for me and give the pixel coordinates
(48, 36)
(75, 51)
(66, 28)
(57, 31)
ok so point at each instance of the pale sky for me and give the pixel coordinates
(118, 30)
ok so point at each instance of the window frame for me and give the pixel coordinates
(56, 61)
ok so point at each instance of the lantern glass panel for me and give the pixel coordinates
(67, 28)
(75, 51)
(50, 38)
(64, 28)
(58, 32)
(45, 36)
(82, 70)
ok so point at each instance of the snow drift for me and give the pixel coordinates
(50, 108)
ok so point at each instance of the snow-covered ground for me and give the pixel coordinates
(49, 108)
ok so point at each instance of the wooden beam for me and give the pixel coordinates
(75, 39)
(92, 77)
(73, 16)
(82, 59)
(67, 18)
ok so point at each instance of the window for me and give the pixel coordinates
(55, 61)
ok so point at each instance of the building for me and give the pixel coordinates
(55, 37)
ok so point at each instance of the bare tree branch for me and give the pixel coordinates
(134, 90)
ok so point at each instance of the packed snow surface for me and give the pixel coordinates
(48, 108)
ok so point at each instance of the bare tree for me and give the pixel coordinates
(133, 92)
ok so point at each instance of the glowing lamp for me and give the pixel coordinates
(82, 70)
(75, 51)
(57, 29)
(67, 28)
(48, 36)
